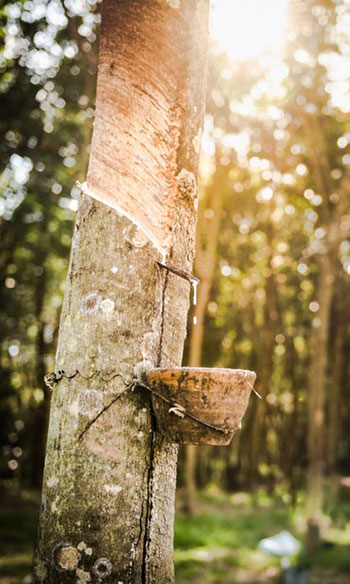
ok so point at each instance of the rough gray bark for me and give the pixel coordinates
(108, 497)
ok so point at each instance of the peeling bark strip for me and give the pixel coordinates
(108, 499)
(145, 57)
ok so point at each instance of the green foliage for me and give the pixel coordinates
(220, 544)
(338, 557)
(279, 153)
(230, 531)
(47, 85)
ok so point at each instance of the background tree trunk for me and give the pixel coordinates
(316, 403)
(265, 355)
(334, 398)
(108, 496)
(205, 265)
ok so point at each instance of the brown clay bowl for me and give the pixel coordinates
(218, 397)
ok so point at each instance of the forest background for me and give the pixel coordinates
(273, 257)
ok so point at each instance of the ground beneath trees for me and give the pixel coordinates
(219, 545)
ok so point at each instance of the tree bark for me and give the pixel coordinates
(108, 495)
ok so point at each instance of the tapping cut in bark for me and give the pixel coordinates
(134, 150)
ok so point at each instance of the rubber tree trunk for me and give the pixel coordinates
(108, 494)
(316, 400)
(205, 265)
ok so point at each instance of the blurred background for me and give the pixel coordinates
(273, 256)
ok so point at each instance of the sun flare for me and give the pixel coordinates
(248, 28)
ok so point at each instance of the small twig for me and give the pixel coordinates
(182, 273)
(252, 387)
(178, 410)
